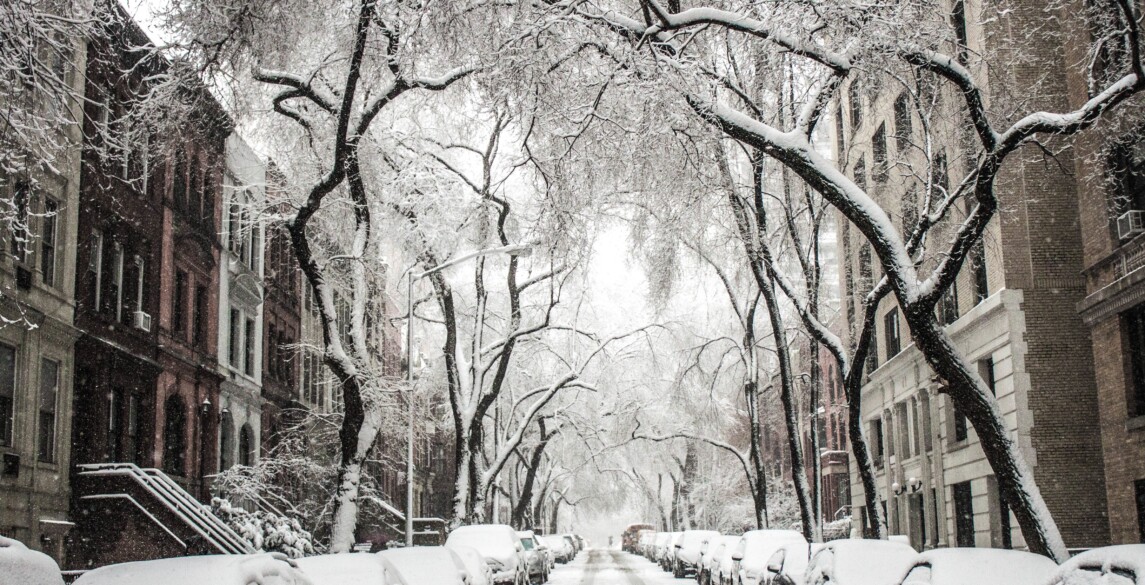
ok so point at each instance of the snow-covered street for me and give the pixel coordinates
(599, 566)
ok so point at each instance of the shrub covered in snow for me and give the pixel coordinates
(23, 566)
(266, 531)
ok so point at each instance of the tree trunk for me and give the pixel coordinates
(971, 397)
(534, 465)
(758, 484)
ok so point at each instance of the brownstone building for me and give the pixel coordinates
(282, 321)
(147, 384)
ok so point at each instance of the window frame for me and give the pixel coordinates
(46, 445)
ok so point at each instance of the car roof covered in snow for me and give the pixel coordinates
(859, 561)
(24, 566)
(473, 561)
(427, 564)
(338, 569)
(1108, 565)
(490, 539)
(985, 566)
(254, 569)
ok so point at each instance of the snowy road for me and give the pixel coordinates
(597, 566)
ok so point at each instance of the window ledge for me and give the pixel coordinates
(958, 445)
(1135, 423)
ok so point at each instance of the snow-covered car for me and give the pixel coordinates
(647, 541)
(479, 571)
(979, 566)
(499, 545)
(687, 557)
(667, 554)
(574, 544)
(857, 561)
(663, 541)
(427, 565)
(25, 566)
(339, 569)
(1122, 564)
(710, 559)
(535, 559)
(254, 569)
(724, 571)
(753, 550)
(788, 564)
(562, 551)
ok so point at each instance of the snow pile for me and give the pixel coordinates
(20, 565)
(836, 529)
(427, 564)
(266, 531)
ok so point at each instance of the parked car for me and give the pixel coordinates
(979, 566)
(535, 562)
(687, 557)
(788, 564)
(499, 545)
(663, 543)
(668, 553)
(647, 542)
(573, 543)
(857, 561)
(339, 569)
(479, 571)
(724, 571)
(255, 569)
(1122, 564)
(753, 550)
(562, 550)
(439, 565)
(25, 566)
(710, 559)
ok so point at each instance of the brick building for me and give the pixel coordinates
(1111, 203)
(37, 337)
(147, 382)
(282, 319)
(1012, 311)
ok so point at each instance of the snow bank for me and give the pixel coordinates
(20, 565)
(256, 569)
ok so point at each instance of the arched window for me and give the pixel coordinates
(246, 446)
(226, 442)
(175, 436)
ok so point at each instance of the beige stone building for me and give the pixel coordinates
(1012, 312)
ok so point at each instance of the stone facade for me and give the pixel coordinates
(1010, 312)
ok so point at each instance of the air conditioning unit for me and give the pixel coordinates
(1130, 224)
(143, 321)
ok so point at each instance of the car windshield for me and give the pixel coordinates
(527, 543)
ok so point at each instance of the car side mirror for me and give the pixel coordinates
(775, 567)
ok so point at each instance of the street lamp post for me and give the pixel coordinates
(512, 250)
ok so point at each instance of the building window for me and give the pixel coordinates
(1139, 489)
(19, 222)
(909, 205)
(958, 23)
(940, 176)
(248, 347)
(1134, 320)
(876, 440)
(860, 172)
(174, 436)
(226, 442)
(48, 242)
(979, 278)
(891, 333)
(114, 404)
(840, 140)
(95, 266)
(117, 280)
(986, 372)
(49, 391)
(246, 446)
(7, 393)
(179, 310)
(961, 428)
(132, 448)
(1127, 168)
(880, 170)
(195, 191)
(963, 514)
(948, 305)
(179, 181)
(233, 355)
(200, 317)
(902, 123)
(856, 103)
